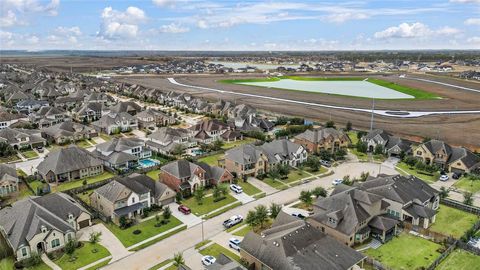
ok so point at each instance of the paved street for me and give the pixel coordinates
(184, 240)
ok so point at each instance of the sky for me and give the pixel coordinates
(239, 25)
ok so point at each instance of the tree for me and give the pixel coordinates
(178, 150)
(330, 124)
(306, 197)
(340, 154)
(364, 176)
(217, 145)
(223, 189)
(361, 147)
(325, 155)
(347, 181)
(378, 149)
(313, 163)
(6, 149)
(217, 193)
(348, 127)
(70, 246)
(319, 191)
(178, 197)
(283, 169)
(274, 173)
(199, 194)
(251, 219)
(167, 213)
(275, 210)
(261, 213)
(443, 193)
(94, 238)
(468, 198)
(178, 260)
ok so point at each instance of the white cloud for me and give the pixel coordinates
(174, 28)
(12, 10)
(346, 16)
(74, 30)
(32, 39)
(472, 21)
(164, 3)
(466, 1)
(414, 30)
(474, 40)
(448, 31)
(118, 24)
(8, 19)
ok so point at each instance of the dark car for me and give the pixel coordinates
(182, 208)
(326, 163)
(456, 175)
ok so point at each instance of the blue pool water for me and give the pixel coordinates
(148, 162)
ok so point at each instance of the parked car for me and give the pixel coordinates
(326, 163)
(234, 220)
(234, 243)
(337, 182)
(444, 177)
(236, 188)
(299, 215)
(208, 260)
(185, 210)
(456, 175)
(40, 149)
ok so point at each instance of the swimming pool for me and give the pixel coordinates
(145, 163)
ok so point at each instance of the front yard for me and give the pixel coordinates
(147, 229)
(211, 160)
(406, 252)
(78, 183)
(248, 188)
(406, 169)
(29, 154)
(468, 185)
(83, 144)
(208, 205)
(215, 250)
(83, 256)
(460, 259)
(451, 221)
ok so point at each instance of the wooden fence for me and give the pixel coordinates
(433, 235)
(458, 205)
(442, 256)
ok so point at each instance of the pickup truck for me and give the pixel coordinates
(234, 220)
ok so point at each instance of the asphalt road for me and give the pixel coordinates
(165, 249)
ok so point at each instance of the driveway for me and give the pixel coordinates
(242, 197)
(262, 186)
(29, 166)
(108, 240)
(391, 162)
(189, 220)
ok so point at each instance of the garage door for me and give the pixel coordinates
(84, 223)
(168, 201)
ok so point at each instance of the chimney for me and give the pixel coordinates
(315, 136)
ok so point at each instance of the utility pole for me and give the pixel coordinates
(373, 109)
(203, 237)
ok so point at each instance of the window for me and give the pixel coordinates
(55, 243)
(133, 200)
(24, 252)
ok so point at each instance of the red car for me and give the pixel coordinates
(182, 208)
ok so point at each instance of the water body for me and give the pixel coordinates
(363, 89)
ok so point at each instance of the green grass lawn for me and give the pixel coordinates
(40, 266)
(30, 154)
(161, 264)
(11, 158)
(406, 169)
(85, 196)
(215, 250)
(211, 160)
(148, 229)
(361, 156)
(466, 184)
(248, 188)
(243, 231)
(274, 183)
(208, 204)
(105, 137)
(406, 252)
(417, 93)
(353, 137)
(84, 255)
(35, 185)
(153, 174)
(460, 260)
(7, 263)
(229, 145)
(78, 183)
(451, 221)
(83, 144)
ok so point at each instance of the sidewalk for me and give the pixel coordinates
(94, 263)
(154, 237)
(48, 262)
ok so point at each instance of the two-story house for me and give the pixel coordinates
(115, 123)
(48, 116)
(391, 145)
(8, 180)
(151, 118)
(67, 132)
(208, 131)
(7, 119)
(285, 152)
(166, 139)
(122, 153)
(328, 139)
(246, 160)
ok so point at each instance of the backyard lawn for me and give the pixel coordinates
(466, 184)
(147, 229)
(460, 259)
(85, 196)
(215, 250)
(211, 160)
(105, 137)
(406, 169)
(208, 204)
(29, 154)
(353, 137)
(451, 221)
(7, 263)
(11, 158)
(83, 144)
(78, 183)
(229, 145)
(406, 252)
(248, 188)
(84, 256)
(153, 174)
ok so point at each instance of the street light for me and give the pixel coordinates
(203, 237)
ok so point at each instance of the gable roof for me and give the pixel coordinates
(244, 154)
(281, 149)
(67, 159)
(119, 144)
(181, 168)
(8, 172)
(319, 134)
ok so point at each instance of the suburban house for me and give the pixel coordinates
(68, 164)
(246, 160)
(166, 139)
(22, 138)
(7, 119)
(48, 116)
(30, 105)
(284, 152)
(252, 122)
(129, 107)
(8, 180)
(151, 118)
(115, 123)
(208, 131)
(67, 132)
(224, 262)
(122, 153)
(391, 145)
(328, 139)
(36, 225)
(292, 243)
(128, 196)
(446, 157)
(89, 112)
(185, 177)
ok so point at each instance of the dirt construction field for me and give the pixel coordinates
(455, 129)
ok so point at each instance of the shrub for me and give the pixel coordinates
(137, 232)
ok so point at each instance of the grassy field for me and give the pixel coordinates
(460, 260)
(147, 229)
(406, 252)
(417, 93)
(83, 144)
(353, 137)
(151, 242)
(84, 256)
(466, 184)
(243, 231)
(248, 188)
(451, 221)
(208, 205)
(215, 250)
(406, 169)
(211, 160)
(85, 197)
(78, 183)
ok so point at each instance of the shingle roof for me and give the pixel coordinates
(317, 135)
(180, 168)
(283, 149)
(67, 159)
(8, 172)
(244, 154)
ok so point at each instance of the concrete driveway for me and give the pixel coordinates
(242, 197)
(29, 166)
(189, 220)
(391, 162)
(261, 185)
(108, 240)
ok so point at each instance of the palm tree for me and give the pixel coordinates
(306, 197)
(95, 237)
(261, 213)
(275, 210)
(251, 219)
(178, 260)
(199, 194)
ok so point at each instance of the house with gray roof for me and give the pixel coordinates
(122, 153)
(30, 105)
(48, 116)
(20, 138)
(151, 118)
(69, 163)
(8, 180)
(297, 244)
(223, 262)
(391, 145)
(89, 112)
(166, 139)
(7, 119)
(67, 132)
(284, 152)
(115, 123)
(129, 107)
(36, 225)
(327, 139)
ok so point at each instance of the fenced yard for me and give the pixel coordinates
(452, 221)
